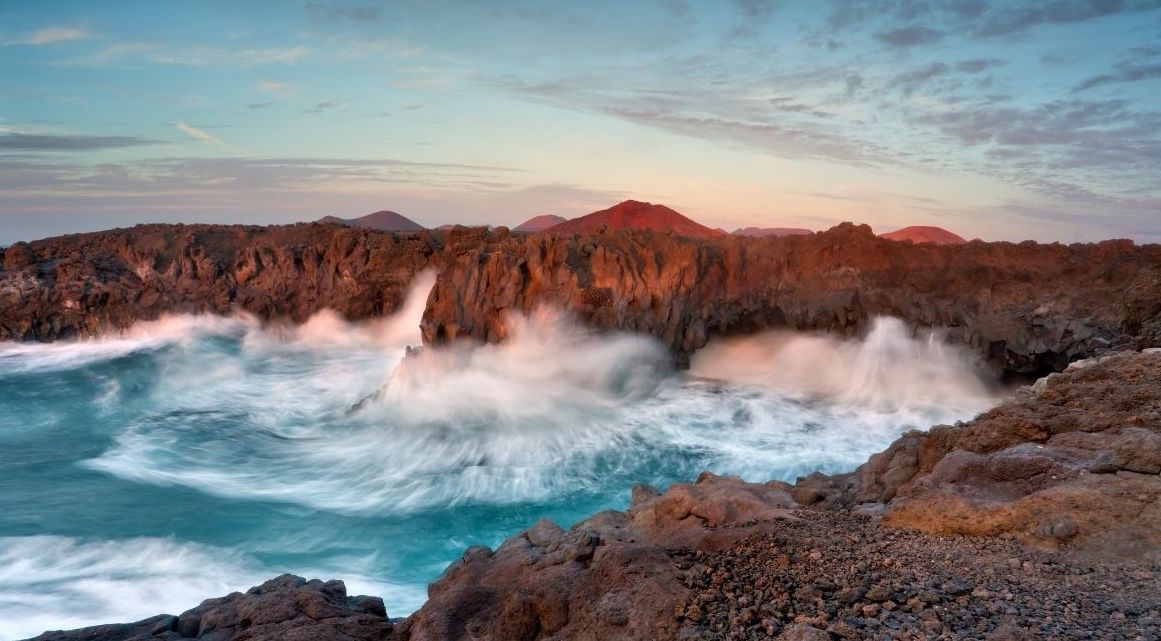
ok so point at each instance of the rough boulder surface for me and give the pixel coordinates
(288, 607)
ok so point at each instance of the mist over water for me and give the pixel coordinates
(193, 456)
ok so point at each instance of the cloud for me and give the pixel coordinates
(978, 64)
(260, 105)
(1015, 18)
(909, 36)
(139, 52)
(198, 134)
(49, 36)
(326, 105)
(1124, 73)
(912, 80)
(57, 142)
(853, 82)
(335, 13)
(213, 56)
(271, 86)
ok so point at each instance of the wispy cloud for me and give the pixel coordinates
(156, 53)
(12, 140)
(260, 105)
(336, 12)
(49, 36)
(909, 36)
(273, 86)
(326, 105)
(199, 134)
(214, 56)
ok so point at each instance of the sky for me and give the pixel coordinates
(1001, 120)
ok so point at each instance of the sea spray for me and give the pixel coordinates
(887, 370)
(234, 443)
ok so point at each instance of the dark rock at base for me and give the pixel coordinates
(284, 608)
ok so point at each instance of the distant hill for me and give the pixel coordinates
(633, 214)
(758, 232)
(384, 220)
(539, 223)
(922, 234)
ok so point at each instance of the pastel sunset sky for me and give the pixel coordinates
(1000, 120)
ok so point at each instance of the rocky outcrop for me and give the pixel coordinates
(82, 285)
(1023, 308)
(609, 577)
(1074, 459)
(287, 608)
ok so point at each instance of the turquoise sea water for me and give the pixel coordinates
(195, 456)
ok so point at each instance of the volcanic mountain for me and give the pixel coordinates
(921, 234)
(759, 232)
(539, 223)
(633, 214)
(382, 220)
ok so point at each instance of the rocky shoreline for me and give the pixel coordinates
(1039, 519)
(1025, 308)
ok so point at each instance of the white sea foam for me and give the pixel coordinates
(58, 583)
(553, 410)
(888, 370)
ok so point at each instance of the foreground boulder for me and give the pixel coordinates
(1074, 459)
(286, 608)
(609, 577)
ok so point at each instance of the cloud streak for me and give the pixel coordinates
(49, 36)
(199, 134)
(17, 141)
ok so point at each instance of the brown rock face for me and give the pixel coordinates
(1075, 458)
(1022, 308)
(633, 214)
(81, 285)
(922, 234)
(609, 577)
(284, 608)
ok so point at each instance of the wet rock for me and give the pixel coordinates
(287, 607)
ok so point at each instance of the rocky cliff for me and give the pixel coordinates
(1022, 307)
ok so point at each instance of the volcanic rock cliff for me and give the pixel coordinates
(1022, 307)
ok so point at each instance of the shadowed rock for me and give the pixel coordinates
(285, 608)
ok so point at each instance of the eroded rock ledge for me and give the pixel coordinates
(1023, 308)
(1039, 519)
